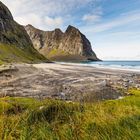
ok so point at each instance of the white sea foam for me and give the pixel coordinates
(130, 68)
(135, 68)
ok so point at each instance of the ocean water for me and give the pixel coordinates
(126, 65)
(120, 65)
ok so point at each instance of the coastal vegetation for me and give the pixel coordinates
(32, 119)
(11, 53)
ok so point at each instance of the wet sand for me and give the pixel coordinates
(65, 81)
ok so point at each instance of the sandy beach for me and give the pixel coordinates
(65, 81)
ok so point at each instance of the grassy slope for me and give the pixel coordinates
(11, 53)
(24, 118)
(59, 55)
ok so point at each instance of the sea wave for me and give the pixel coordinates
(120, 67)
(108, 66)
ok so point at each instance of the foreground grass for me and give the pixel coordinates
(31, 119)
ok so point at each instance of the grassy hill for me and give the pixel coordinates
(11, 53)
(15, 44)
(31, 119)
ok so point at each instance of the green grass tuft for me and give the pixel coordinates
(27, 118)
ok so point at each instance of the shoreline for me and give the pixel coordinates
(102, 68)
(115, 67)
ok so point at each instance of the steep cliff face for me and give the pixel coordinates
(15, 44)
(56, 45)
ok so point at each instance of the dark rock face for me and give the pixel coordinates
(56, 45)
(11, 33)
(4, 12)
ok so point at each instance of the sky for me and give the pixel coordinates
(112, 26)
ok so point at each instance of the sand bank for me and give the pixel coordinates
(66, 81)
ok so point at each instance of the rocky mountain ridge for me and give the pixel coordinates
(15, 44)
(71, 45)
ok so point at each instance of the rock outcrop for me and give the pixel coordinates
(15, 44)
(58, 46)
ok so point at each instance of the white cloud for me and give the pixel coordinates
(91, 18)
(47, 22)
(124, 19)
(45, 14)
(94, 16)
(53, 22)
(30, 18)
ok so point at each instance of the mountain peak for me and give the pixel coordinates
(4, 12)
(57, 30)
(71, 28)
(29, 25)
(15, 44)
(58, 46)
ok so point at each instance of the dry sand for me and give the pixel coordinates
(65, 81)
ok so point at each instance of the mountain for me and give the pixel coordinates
(15, 44)
(58, 46)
